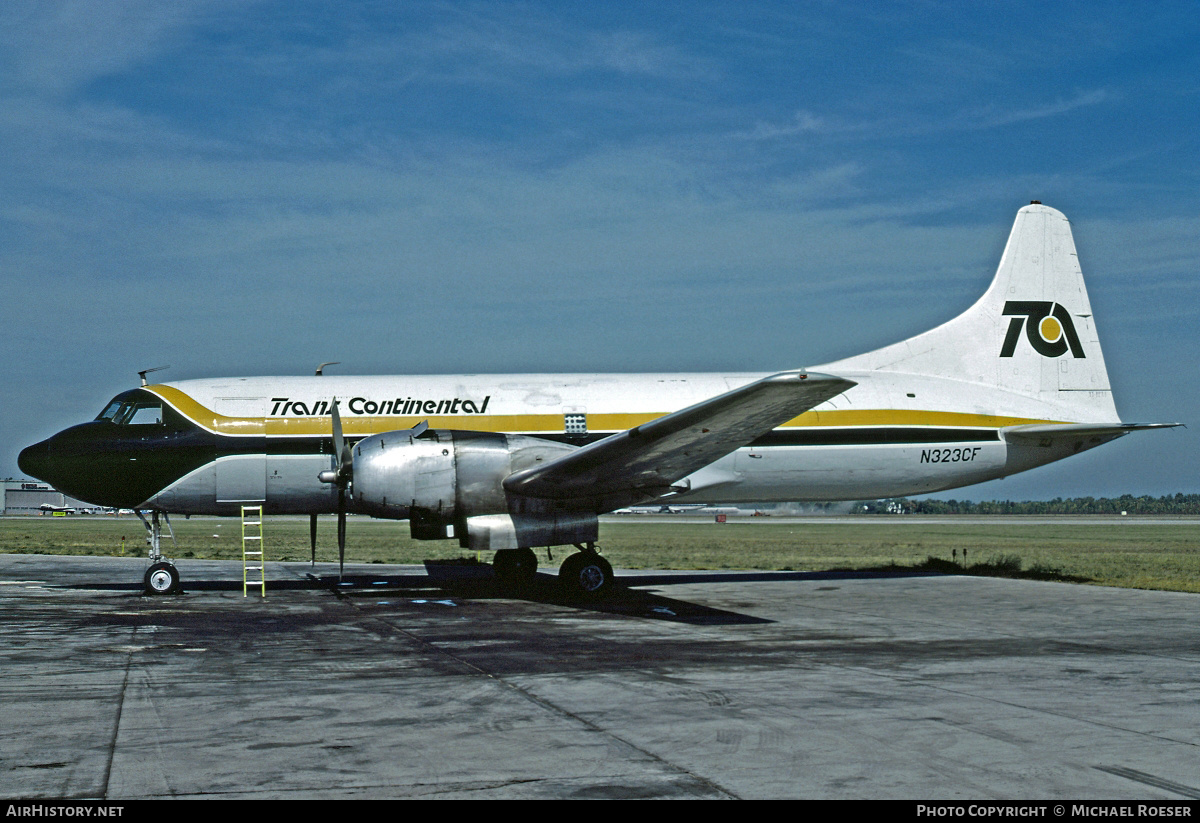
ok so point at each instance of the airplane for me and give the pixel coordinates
(506, 463)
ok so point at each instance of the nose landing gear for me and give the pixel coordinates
(162, 577)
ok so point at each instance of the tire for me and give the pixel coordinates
(162, 578)
(586, 574)
(515, 566)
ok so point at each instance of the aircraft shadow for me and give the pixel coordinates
(544, 588)
(626, 598)
(631, 596)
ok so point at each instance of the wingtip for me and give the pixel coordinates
(811, 377)
(805, 374)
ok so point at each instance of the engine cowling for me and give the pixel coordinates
(449, 483)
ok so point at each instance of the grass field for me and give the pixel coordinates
(1161, 555)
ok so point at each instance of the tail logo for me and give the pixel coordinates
(1048, 327)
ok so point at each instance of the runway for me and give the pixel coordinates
(684, 685)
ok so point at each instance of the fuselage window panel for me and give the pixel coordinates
(145, 415)
(111, 411)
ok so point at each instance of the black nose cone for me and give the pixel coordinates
(34, 461)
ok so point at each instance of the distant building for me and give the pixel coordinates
(25, 497)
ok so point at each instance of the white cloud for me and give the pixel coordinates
(802, 122)
(994, 116)
(57, 46)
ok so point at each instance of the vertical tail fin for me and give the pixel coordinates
(1032, 332)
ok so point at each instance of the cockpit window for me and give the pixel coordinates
(111, 411)
(144, 414)
(133, 412)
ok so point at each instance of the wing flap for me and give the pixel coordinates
(651, 457)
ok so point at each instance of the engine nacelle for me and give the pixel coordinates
(450, 484)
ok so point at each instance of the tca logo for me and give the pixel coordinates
(1048, 327)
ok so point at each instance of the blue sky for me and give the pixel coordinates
(252, 188)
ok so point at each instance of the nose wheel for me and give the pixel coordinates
(162, 578)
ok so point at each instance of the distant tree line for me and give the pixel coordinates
(1145, 504)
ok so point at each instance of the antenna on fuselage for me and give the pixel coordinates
(142, 374)
(323, 365)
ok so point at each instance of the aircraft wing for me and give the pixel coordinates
(646, 461)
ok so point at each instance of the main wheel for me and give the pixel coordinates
(586, 573)
(162, 578)
(515, 566)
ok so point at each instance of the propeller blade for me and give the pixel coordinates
(339, 442)
(341, 533)
(312, 536)
(340, 476)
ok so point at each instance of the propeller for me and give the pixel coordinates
(340, 475)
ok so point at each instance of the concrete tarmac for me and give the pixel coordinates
(683, 685)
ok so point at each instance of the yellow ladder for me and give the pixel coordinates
(253, 559)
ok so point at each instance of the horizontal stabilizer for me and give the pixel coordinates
(1048, 434)
(646, 460)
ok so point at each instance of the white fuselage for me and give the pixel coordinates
(890, 435)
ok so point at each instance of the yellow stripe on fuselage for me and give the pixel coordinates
(365, 425)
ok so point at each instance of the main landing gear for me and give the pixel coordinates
(515, 567)
(162, 577)
(584, 573)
